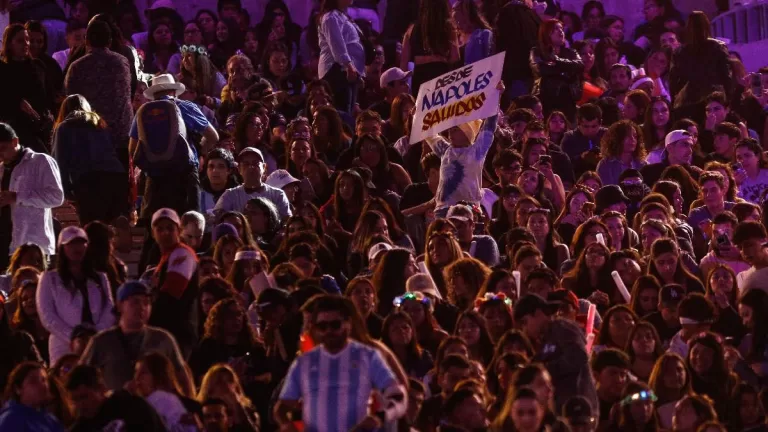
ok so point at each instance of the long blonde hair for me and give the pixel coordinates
(223, 374)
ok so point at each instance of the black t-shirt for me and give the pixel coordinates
(666, 333)
(415, 194)
(125, 412)
(374, 324)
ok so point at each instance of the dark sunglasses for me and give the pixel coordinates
(324, 326)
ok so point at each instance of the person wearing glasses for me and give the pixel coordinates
(343, 373)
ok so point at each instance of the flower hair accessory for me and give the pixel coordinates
(194, 49)
(417, 296)
(640, 397)
(501, 297)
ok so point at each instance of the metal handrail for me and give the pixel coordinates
(743, 24)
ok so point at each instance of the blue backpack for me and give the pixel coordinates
(163, 147)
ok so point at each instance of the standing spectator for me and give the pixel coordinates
(430, 43)
(75, 38)
(342, 58)
(175, 305)
(560, 345)
(330, 321)
(474, 30)
(97, 407)
(30, 187)
(73, 294)
(161, 146)
(252, 166)
(38, 50)
(116, 350)
(28, 393)
(462, 160)
(559, 70)
(27, 100)
(516, 32)
(92, 175)
(103, 77)
(699, 67)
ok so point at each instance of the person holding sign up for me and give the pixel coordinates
(462, 159)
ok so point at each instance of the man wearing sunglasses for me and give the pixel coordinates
(332, 383)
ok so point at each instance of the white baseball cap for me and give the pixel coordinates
(377, 249)
(71, 233)
(166, 213)
(423, 283)
(281, 178)
(675, 136)
(392, 74)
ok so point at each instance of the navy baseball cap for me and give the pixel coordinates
(132, 288)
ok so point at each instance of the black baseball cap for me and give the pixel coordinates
(530, 303)
(609, 195)
(272, 297)
(671, 294)
(578, 411)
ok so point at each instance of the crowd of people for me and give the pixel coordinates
(259, 246)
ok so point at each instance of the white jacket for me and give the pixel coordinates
(37, 183)
(61, 309)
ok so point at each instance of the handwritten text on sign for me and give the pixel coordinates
(465, 94)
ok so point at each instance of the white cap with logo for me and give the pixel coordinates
(281, 178)
(675, 136)
(166, 213)
(391, 75)
(71, 233)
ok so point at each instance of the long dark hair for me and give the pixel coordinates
(10, 32)
(626, 420)
(77, 108)
(388, 280)
(474, 15)
(485, 343)
(88, 268)
(99, 252)
(413, 349)
(649, 129)
(435, 26)
(162, 371)
(17, 377)
(698, 29)
(758, 301)
(360, 194)
(580, 274)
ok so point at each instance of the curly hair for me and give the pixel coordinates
(474, 273)
(224, 308)
(612, 143)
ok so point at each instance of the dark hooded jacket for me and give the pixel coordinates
(564, 354)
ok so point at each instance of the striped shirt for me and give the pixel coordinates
(335, 388)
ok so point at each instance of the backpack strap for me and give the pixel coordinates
(160, 111)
